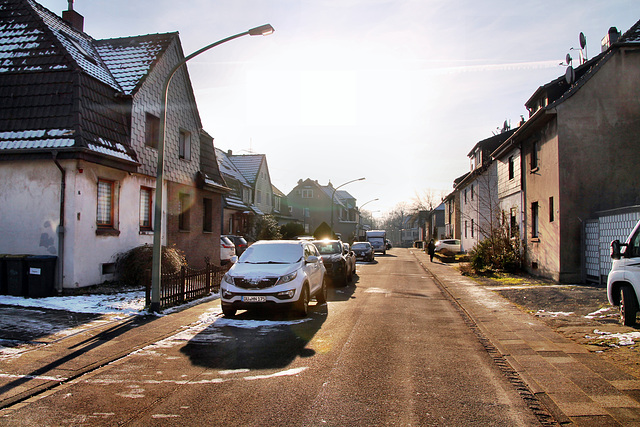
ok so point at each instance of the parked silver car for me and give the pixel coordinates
(275, 274)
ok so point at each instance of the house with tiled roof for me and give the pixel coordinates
(256, 171)
(240, 210)
(578, 154)
(79, 130)
(311, 204)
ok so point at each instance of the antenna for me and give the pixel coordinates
(570, 75)
(583, 46)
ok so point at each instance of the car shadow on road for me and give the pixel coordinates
(256, 340)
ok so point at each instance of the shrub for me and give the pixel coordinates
(134, 266)
(266, 228)
(291, 230)
(497, 253)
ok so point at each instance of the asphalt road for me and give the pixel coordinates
(390, 349)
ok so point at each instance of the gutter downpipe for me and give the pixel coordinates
(63, 185)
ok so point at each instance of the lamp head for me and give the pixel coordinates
(263, 30)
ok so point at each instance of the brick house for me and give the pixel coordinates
(79, 122)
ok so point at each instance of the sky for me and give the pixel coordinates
(395, 91)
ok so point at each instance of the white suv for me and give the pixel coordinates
(623, 283)
(274, 273)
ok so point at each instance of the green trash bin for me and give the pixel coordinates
(41, 270)
(16, 275)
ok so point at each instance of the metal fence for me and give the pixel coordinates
(610, 225)
(187, 285)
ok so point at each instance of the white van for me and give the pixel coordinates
(623, 283)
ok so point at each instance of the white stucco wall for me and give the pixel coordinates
(29, 207)
(86, 251)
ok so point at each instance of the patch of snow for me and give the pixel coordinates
(126, 303)
(624, 339)
(544, 313)
(603, 312)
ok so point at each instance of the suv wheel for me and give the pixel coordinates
(228, 311)
(628, 306)
(301, 307)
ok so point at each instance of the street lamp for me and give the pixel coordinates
(334, 194)
(156, 267)
(360, 216)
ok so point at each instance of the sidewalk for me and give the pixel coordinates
(576, 385)
(62, 360)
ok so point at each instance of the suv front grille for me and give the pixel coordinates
(266, 282)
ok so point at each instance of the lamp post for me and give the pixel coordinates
(360, 217)
(156, 269)
(334, 194)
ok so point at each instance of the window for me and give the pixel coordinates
(145, 208)
(534, 156)
(534, 219)
(514, 223)
(511, 168)
(276, 203)
(472, 191)
(306, 213)
(307, 193)
(152, 131)
(633, 250)
(472, 225)
(465, 195)
(184, 145)
(184, 211)
(258, 196)
(105, 204)
(207, 215)
(466, 228)
(551, 209)
(230, 229)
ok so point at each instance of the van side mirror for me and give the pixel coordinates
(311, 259)
(615, 249)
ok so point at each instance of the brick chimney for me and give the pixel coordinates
(73, 18)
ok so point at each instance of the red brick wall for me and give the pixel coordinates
(194, 242)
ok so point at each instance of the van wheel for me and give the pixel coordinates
(628, 306)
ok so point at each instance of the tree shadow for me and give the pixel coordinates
(255, 339)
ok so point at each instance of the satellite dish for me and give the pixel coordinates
(583, 41)
(570, 75)
(568, 59)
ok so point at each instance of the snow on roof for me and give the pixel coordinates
(79, 45)
(229, 168)
(53, 138)
(131, 58)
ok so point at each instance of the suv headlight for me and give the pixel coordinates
(287, 278)
(228, 279)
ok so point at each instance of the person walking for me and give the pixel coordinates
(431, 249)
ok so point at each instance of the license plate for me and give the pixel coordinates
(254, 298)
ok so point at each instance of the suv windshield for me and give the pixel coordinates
(326, 248)
(272, 253)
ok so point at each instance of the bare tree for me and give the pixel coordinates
(428, 199)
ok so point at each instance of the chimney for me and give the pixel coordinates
(612, 36)
(229, 153)
(73, 18)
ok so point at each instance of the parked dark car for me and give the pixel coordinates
(363, 251)
(239, 242)
(337, 260)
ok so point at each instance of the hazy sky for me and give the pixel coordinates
(396, 91)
